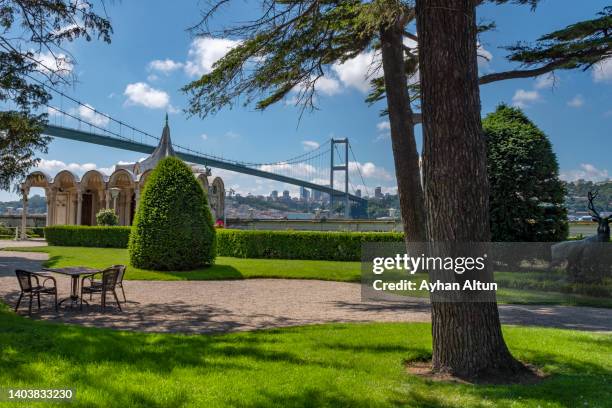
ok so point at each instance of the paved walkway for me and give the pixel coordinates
(222, 306)
(8, 243)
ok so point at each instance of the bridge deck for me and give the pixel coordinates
(88, 137)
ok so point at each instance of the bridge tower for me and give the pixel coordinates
(340, 167)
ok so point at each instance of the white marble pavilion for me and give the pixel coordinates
(74, 200)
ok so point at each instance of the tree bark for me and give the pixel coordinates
(467, 337)
(405, 155)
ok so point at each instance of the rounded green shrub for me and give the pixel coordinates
(107, 218)
(173, 227)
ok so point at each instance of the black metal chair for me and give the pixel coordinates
(106, 285)
(119, 284)
(30, 286)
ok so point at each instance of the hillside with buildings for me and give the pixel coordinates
(576, 197)
(310, 205)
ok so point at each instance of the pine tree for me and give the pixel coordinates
(292, 45)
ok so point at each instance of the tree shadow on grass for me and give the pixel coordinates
(52, 261)
(213, 272)
(309, 397)
(571, 382)
(33, 349)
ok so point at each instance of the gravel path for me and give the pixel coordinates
(223, 306)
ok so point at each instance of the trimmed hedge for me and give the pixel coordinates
(315, 245)
(319, 245)
(85, 236)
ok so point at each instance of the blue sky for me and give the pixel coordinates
(137, 79)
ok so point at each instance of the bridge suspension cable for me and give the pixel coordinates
(123, 125)
(310, 169)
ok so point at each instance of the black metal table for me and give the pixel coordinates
(75, 272)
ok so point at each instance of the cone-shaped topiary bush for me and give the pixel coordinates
(173, 228)
(526, 195)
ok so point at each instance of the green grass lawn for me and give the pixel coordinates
(224, 268)
(339, 365)
(515, 288)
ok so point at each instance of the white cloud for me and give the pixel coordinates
(87, 114)
(204, 52)
(484, 55)
(59, 64)
(152, 77)
(328, 86)
(356, 72)
(546, 81)
(143, 94)
(292, 100)
(165, 66)
(576, 102)
(310, 145)
(522, 98)
(51, 111)
(602, 72)
(295, 169)
(384, 125)
(384, 131)
(370, 170)
(586, 171)
(55, 166)
(204, 136)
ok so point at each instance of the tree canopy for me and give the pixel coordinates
(32, 34)
(292, 45)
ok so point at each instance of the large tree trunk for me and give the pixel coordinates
(467, 337)
(405, 152)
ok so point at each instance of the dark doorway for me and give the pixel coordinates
(86, 209)
(132, 209)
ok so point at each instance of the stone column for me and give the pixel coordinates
(24, 214)
(136, 197)
(107, 198)
(48, 201)
(79, 206)
(51, 207)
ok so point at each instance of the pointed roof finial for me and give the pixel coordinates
(166, 118)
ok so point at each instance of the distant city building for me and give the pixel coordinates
(358, 193)
(316, 195)
(378, 192)
(274, 194)
(304, 194)
(286, 195)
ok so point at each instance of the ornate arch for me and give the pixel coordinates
(120, 176)
(66, 179)
(38, 178)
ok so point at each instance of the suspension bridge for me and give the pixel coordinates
(74, 120)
